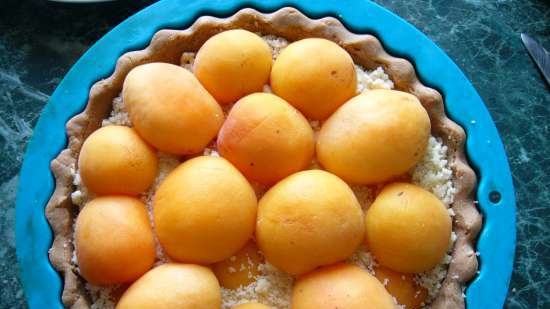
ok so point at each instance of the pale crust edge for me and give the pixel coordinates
(366, 50)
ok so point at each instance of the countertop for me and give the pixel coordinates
(40, 40)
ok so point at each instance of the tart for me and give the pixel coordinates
(293, 145)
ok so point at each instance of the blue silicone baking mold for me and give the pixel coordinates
(496, 244)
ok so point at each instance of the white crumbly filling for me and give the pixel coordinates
(364, 259)
(276, 44)
(118, 116)
(167, 163)
(103, 297)
(377, 79)
(272, 286)
(433, 173)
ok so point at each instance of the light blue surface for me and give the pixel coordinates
(496, 244)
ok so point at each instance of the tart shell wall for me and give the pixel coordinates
(289, 23)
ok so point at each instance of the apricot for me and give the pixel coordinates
(408, 229)
(115, 160)
(308, 219)
(204, 211)
(251, 306)
(340, 286)
(178, 286)
(374, 137)
(232, 64)
(240, 269)
(403, 287)
(266, 138)
(114, 240)
(170, 109)
(314, 75)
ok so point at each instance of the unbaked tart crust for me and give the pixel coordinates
(366, 51)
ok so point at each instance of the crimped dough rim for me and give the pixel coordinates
(289, 23)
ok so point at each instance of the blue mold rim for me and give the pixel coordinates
(496, 243)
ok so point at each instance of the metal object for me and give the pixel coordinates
(539, 55)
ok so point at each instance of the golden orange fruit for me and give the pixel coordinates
(177, 286)
(403, 287)
(170, 108)
(307, 220)
(232, 64)
(374, 137)
(408, 229)
(314, 75)
(115, 160)
(240, 269)
(266, 138)
(204, 211)
(114, 240)
(340, 286)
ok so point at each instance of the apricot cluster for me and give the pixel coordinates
(205, 213)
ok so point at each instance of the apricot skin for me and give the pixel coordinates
(314, 75)
(115, 160)
(408, 229)
(170, 108)
(308, 219)
(402, 286)
(204, 211)
(374, 137)
(266, 138)
(114, 240)
(340, 286)
(232, 64)
(181, 286)
(241, 269)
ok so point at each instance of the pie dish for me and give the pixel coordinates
(481, 201)
(169, 46)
